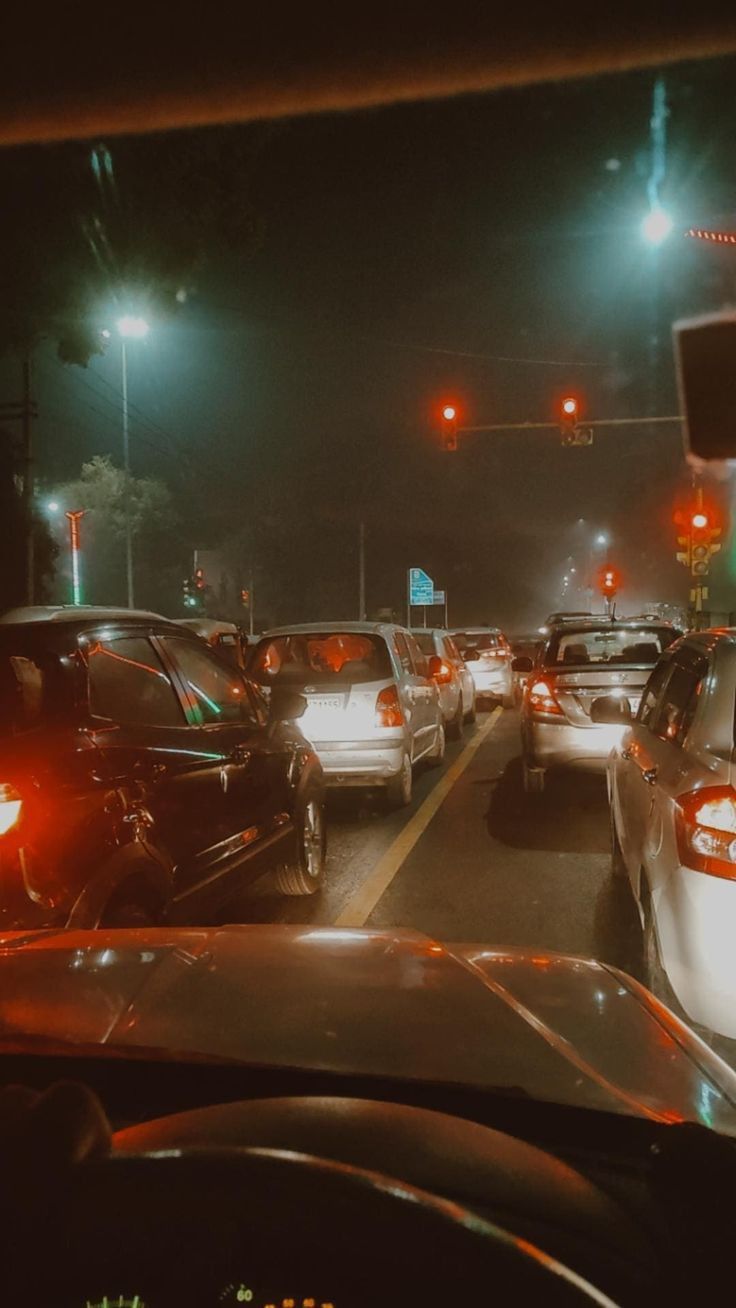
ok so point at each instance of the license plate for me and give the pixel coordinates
(325, 701)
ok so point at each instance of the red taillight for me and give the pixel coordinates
(542, 700)
(388, 708)
(10, 806)
(706, 830)
(443, 674)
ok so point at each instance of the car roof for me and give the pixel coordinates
(604, 623)
(477, 631)
(207, 626)
(314, 628)
(430, 631)
(74, 613)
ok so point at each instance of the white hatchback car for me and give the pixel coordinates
(672, 789)
(488, 655)
(373, 706)
(454, 679)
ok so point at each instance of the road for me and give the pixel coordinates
(473, 858)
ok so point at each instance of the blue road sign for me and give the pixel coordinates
(421, 587)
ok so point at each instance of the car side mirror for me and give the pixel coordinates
(522, 664)
(434, 666)
(471, 656)
(286, 705)
(611, 710)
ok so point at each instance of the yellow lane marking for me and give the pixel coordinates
(360, 906)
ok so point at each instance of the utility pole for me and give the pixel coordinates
(27, 419)
(126, 466)
(24, 412)
(361, 573)
(251, 606)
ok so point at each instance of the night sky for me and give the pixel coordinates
(485, 249)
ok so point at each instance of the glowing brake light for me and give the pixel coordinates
(706, 831)
(443, 674)
(10, 806)
(542, 700)
(388, 708)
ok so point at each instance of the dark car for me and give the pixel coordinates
(143, 778)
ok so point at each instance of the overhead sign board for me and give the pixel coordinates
(439, 597)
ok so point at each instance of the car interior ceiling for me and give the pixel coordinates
(251, 65)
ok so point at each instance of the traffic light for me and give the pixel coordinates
(199, 579)
(571, 431)
(189, 593)
(245, 598)
(449, 427)
(609, 582)
(699, 541)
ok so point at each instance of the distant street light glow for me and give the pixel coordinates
(657, 226)
(106, 333)
(53, 506)
(601, 538)
(129, 325)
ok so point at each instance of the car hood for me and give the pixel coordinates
(380, 1003)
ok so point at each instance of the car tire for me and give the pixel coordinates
(455, 727)
(618, 867)
(472, 713)
(306, 875)
(132, 905)
(534, 779)
(437, 757)
(399, 788)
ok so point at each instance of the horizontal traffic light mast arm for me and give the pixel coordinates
(587, 422)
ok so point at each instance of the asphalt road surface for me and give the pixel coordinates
(473, 858)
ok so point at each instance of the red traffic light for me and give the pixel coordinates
(449, 413)
(700, 520)
(609, 581)
(570, 406)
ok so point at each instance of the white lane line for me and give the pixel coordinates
(360, 906)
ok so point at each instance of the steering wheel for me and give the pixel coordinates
(267, 1227)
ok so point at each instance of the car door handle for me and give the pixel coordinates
(626, 755)
(239, 754)
(649, 775)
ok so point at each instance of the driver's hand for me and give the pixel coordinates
(62, 1125)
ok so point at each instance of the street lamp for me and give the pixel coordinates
(53, 506)
(601, 539)
(130, 327)
(656, 226)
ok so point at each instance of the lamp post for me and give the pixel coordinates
(135, 328)
(74, 516)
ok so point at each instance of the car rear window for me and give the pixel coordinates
(477, 639)
(607, 644)
(30, 688)
(425, 641)
(320, 658)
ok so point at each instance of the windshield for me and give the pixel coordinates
(609, 645)
(353, 394)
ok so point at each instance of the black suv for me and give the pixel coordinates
(142, 778)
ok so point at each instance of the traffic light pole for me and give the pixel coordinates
(555, 426)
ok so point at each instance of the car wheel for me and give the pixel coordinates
(399, 788)
(534, 779)
(618, 867)
(437, 757)
(472, 713)
(455, 728)
(306, 875)
(132, 905)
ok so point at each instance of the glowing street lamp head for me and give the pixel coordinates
(601, 538)
(53, 506)
(449, 412)
(657, 226)
(133, 327)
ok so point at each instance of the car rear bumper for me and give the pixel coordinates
(360, 762)
(695, 918)
(492, 681)
(559, 744)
